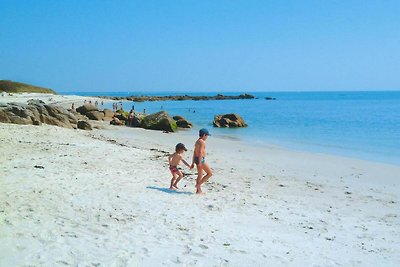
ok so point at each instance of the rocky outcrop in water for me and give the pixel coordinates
(180, 97)
(229, 121)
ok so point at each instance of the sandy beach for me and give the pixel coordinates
(101, 198)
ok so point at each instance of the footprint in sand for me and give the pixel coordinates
(203, 246)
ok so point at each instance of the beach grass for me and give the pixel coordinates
(17, 87)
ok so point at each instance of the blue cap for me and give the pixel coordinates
(204, 132)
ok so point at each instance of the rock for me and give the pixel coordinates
(86, 108)
(181, 122)
(84, 125)
(229, 120)
(37, 123)
(4, 117)
(35, 102)
(122, 116)
(95, 115)
(159, 121)
(116, 121)
(270, 98)
(177, 118)
(137, 120)
(108, 113)
(37, 113)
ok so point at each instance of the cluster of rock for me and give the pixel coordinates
(229, 120)
(93, 113)
(180, 97)
(37, 113)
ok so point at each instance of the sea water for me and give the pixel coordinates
(363, 125)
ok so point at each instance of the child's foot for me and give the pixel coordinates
(198, 190)
(175, 187)
(172, 188)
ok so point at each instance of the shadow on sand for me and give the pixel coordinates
(169, 191)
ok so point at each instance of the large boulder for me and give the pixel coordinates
(86, 108)
(159, 121)
(181, 122)
(37, 113)
(95, 115)
(229, 120)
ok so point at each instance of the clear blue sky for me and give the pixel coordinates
(196, 45)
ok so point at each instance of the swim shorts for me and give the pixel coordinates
(173, 169)
(196, 160)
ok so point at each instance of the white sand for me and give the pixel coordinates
(63, 100)
(101, 200)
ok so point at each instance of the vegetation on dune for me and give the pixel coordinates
(16, 87)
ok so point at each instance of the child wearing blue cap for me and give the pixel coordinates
(199, 158)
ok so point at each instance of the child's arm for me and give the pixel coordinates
(169, 159)
(191, 166)
(187, 164)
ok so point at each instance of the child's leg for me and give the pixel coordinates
(180, 176)
(172, 181)
(207, 169)
(198, 180)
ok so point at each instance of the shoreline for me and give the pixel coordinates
(289, 145)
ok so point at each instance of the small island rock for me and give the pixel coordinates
(229, 120)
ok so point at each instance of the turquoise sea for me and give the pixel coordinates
(363, 125)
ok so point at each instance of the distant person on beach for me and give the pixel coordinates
(131, 117)
(73, 106)
(174, 161)
(199, 158)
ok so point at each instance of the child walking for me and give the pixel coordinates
(199, 158)
(174, 161)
